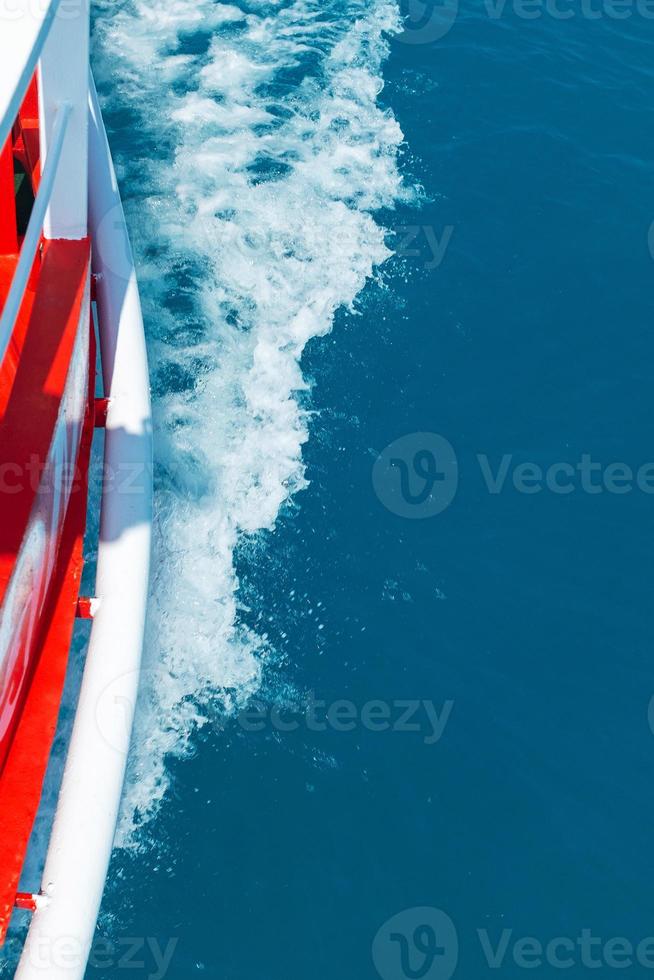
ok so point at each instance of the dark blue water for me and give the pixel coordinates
(530, 612)
(523, 619)
(286, 852)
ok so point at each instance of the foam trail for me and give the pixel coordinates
(261, 155)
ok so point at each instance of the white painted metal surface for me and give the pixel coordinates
(33, 234)
(61, 932)
(57, 33)
(24, 25)
(63, 80)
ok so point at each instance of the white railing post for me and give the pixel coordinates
(63, 78)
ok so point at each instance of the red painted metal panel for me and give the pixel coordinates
(47, 414)
(30, 106)
(8, 233)
(39, 439)
(46, 427)
(22, 777)
(9, 366)
(27, 146)
(23, 144)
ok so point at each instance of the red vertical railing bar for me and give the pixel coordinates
(26, 134)
(30, 106)
(8, 232)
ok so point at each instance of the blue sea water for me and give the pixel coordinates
(355, 235)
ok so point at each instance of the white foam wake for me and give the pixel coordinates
(258, 154)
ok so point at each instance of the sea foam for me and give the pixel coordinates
(253, 153)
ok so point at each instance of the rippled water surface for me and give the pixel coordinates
(374, 690)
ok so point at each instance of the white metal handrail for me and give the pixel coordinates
(34, 229)
(61, 932)
(24, 27)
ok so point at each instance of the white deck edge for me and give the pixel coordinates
(61, 932)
